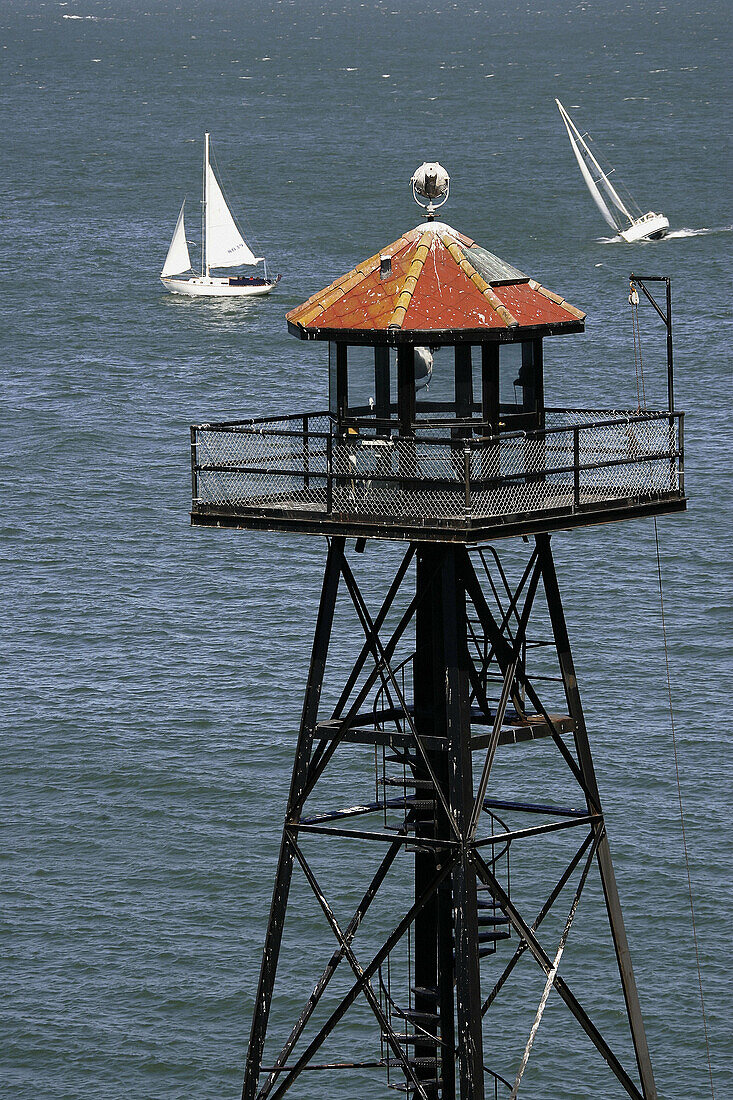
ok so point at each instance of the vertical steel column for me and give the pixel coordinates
(283, 878)
(433, 967)
(458, 733)
(605, 866)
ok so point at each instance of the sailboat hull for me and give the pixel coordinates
(652, 227)
(199, 286)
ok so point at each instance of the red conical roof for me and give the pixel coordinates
(438, 283)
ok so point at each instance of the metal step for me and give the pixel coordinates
(492, 937)
(417, 1017)
(489, 940)
(407, 1040)
(415, 1063)
(492, 918)
(425, 806)
(481, 903)
(430, 1087)
(425, 991)
(405, 781)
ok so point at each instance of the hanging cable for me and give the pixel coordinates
(638, 365)
(682, 816)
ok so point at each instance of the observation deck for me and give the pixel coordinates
(444, 479)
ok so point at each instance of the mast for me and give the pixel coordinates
(576, 139)
(205, 192)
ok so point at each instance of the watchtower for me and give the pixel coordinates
(437, 436)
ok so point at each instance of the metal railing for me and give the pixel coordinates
(445, 470)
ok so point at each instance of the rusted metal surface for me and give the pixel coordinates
(437, 282)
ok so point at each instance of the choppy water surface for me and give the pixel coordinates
(153, 674)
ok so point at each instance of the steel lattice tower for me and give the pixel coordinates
(449, 673)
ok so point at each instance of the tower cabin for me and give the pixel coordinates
(436, 427)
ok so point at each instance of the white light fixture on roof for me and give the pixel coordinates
(431, 182)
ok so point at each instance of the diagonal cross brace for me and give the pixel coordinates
(553, 973)
(326, 749)
(511, 610)
(368, 973)
(503, 653)
(366, 985)
(536, 949)
(384, 659)
(317, 763)
(509, 676)
(330, 969)
(522, 946)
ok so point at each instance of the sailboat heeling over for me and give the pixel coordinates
(603, 192)
(616, 213)
(178, 260)
(225, 245)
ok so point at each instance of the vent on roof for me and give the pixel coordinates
(385, 267)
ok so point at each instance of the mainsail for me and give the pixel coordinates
(606, 198)
(225, 246)
(178, 260)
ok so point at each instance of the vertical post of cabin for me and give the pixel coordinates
(533, 350)
(490, 405)
(490, 387)
(464, 381)
(382, 403)
(406, 388)
(342, 384)
(670, 364)
(406, 407)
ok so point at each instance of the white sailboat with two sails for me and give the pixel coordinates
(223, 246)
(630, 224)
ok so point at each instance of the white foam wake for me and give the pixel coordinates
(674, 234)
(698, 232)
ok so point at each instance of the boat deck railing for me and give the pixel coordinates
(443, 471)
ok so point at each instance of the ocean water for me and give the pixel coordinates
(153, 675)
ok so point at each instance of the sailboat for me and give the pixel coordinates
(222, 246)
(630, 226)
